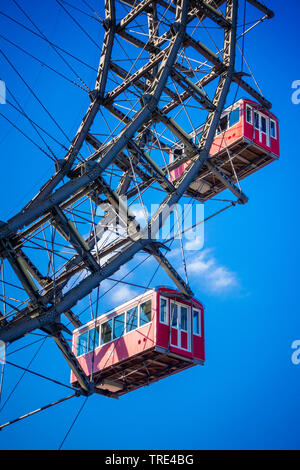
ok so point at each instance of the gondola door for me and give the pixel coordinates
(180, 326)
(262, 126)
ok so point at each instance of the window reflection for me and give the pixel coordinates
(196, 322)
(119, 325)
(82, 344)
(115, 327)
(106, 332)
(163, 310)
(145, 312)
(174, 315)
(132, 319)
(183, 319)
(234, 116)
(273, 129)
(93, 338)
(249, 114)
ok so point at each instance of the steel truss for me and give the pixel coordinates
(163, 83)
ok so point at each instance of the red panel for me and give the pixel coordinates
(174, 336)
(227, 138)
(162, 335)
(181, 352)
(198, 341)
(184, 340)
(198, 350)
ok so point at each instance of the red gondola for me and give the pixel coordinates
(247, 140)
(144, 340)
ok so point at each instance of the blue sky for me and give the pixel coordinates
(247, 394)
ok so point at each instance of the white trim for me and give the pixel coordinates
(135, 307)
(232, 111)
(275, 129)
(263, 116)
(112, 331)
(248, 106)
(167, 313)
(139, 312)
(100, 332)
(226, 111)
(199, 322)
(88, 341)
(179, 330)
(120, 307)
(254, 120)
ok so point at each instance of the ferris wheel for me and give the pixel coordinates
(171, 116)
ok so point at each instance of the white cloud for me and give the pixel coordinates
(200, 263)
(221, 278)
(195, 244)
(122, 293)
(141, 213)
(203, 267)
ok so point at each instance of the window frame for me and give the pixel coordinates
(112, 326)
(139, 312)
(186, 307)
(198, 310)
(167, 315)
(219, 131)
(275, 129)
(237, 108)
(248, 107)
(124, 329)
(173, 304)
(77, 343)
(257, 127)
(178, 306)
(261, 125)
(88, 332)
(135, 308)
(112, 319)
(96, 327)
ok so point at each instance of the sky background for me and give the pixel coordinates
(247, 394)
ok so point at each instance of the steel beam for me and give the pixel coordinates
(63, 345)
(249, 89)
(96, 97)
(228, 183)
(262, 8)
(170, 270)
(150, 104)
(206, 9)
(136, 10)
(141, 240)
(71, 234)
(71, 187)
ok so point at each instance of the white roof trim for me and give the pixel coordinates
(119, 307)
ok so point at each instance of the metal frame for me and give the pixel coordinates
(47, 301)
